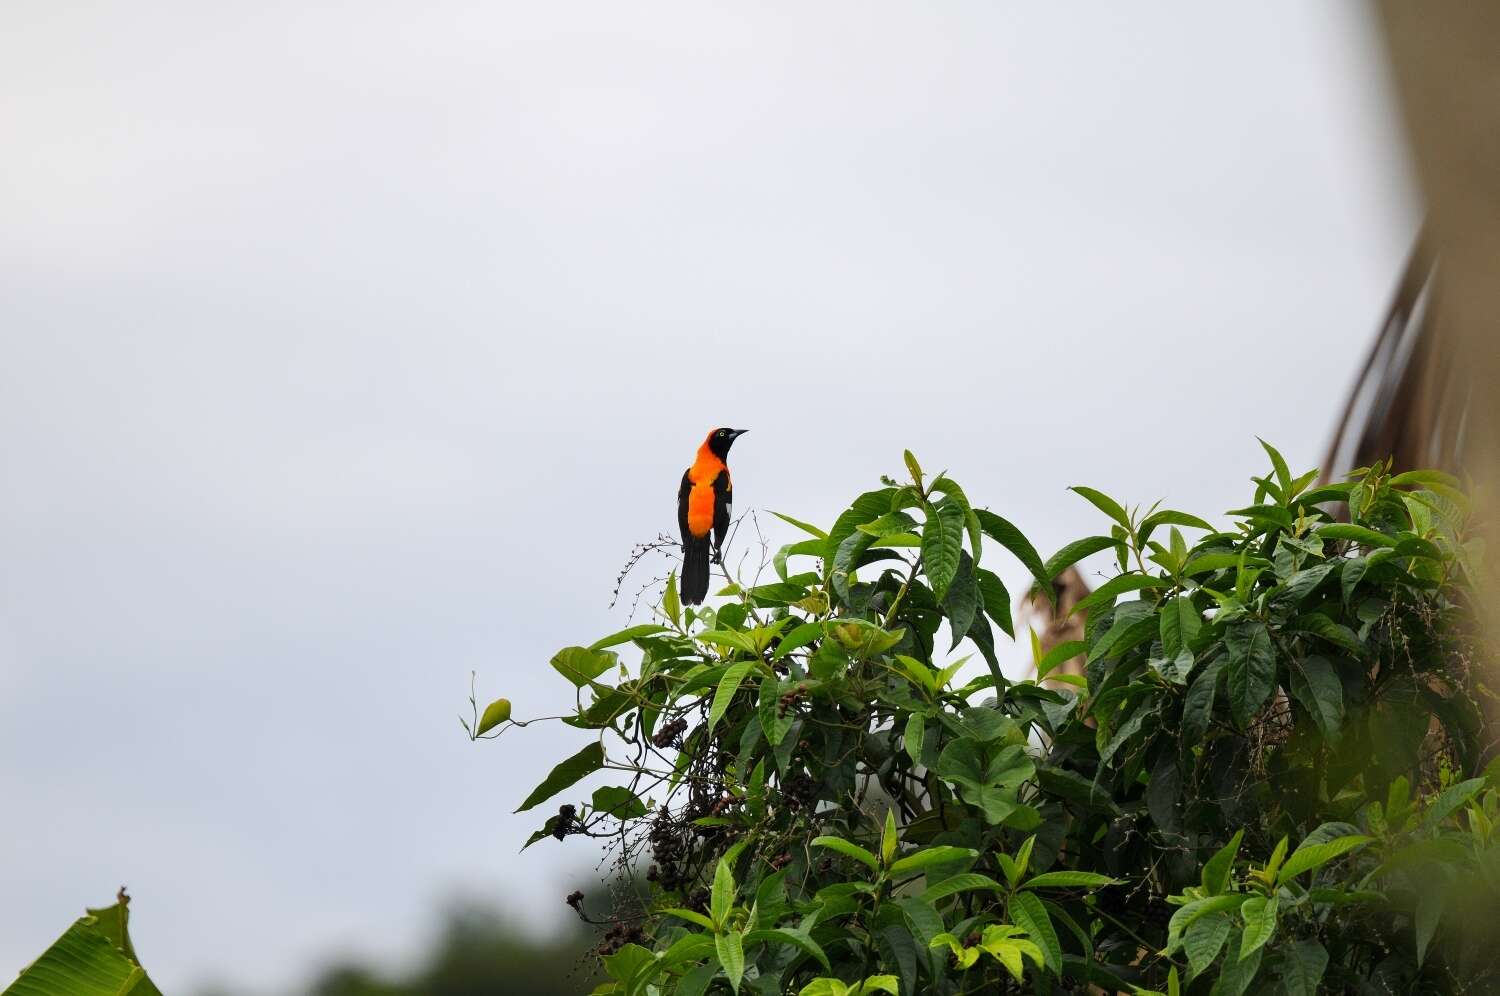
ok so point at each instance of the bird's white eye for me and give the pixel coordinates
(721, 432)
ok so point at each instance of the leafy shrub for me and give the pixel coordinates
(828, 804)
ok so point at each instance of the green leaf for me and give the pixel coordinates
(1320, 625)
(795, 938)
(1203, 940)
(1188, 914)
(848, 849)
(724, 694)
(495, 713)
(962, 882)
(730, 947)
(1252, 669)
(1431, 898)
(1283, 475)
(877, 983)
(996, 600)
(961, 604)
(1198, 704)
(804, 526)
(797, 639)
(670, 603)
(1103, 503)
(928, 857)
(691, 916)
(618, 802)
(1068, 880)
(1355, 534)
(626, 635)
(94, 957)
(1307, 857)
(916, 729)
(942, 540)
(1238, 973)
(986, 778)
(1259, 915)
(1217, 871)
(1206, 563)
(1170, 517)
(1449, 800)
(585, 762)
(1059, 654)
(1107, 592)
(1001, 531)
(580, 665)
(1027, 912)
(1318, 689)
(824, 987)
(1302, 967)
(721, 897)
(1180, 623)
(1074, 552)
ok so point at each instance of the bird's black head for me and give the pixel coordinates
(720, 440)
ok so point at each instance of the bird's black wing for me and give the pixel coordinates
(682, 507)
(723, 502)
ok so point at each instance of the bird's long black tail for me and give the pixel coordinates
(694, 570)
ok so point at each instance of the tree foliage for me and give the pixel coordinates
(1269, 777)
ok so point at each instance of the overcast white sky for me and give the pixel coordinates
(349, 347)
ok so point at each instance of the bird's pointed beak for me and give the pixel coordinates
(737, 433)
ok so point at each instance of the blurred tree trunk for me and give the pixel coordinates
(1446, 62)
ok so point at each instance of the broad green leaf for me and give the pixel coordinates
(1180, 623)
(1252, 669)
(1283, 475)
(774, 721)
(1317, 688)
(1302, 967)
(1203, 940)
(1449, 800)
(93, 957)
(798, 638)
(629, 964)
(1217, 872)
(580, 665)
(795, 938)
(1027, 912)
(1321, 625)
(618, 802)
(1068, 880)
(806, 527)
(928, 857)
(730, 947)
(626, 635)
(888, 838)
(848, 849)
(1001, 531)
(1107, 592)
(1355, 534)
(690, 916)
(824, 987)
(495, 713)
(996, 600)
(671, 604)
(1198, 704)
(962, 882)
(1259, 915)
(942, 540)
(724, 694)
(1186, 915)
(1171, 517)
(1103, 503)
(1074, 552)
(1432, 895)
(986, 778)
(1308, 857)
(1238, 973)
(877, 984)
(580, 765)
(1058, 655)
(721, 897)
(1206, 563)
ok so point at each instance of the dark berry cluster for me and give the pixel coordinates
(667, 735)
(567, 821)
(620, 935)
(799, 791)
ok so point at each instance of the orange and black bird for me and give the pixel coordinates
(703, 509)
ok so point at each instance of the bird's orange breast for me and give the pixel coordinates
(700, 512)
